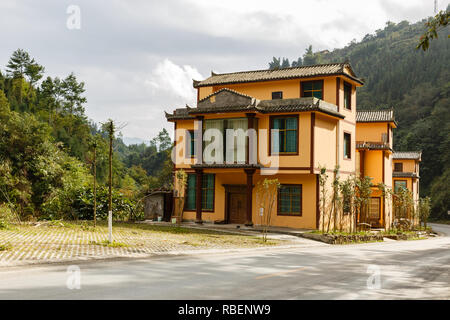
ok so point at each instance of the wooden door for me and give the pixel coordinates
(237, 208)
(375, 212)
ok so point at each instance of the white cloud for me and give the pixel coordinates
(174, 80)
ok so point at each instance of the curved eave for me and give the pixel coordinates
(392, 122)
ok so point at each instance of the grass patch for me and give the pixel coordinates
(5, 247)
(106, 243)
(4, 225)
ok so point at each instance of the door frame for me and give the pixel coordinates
(230, 189)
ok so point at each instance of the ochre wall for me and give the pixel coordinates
(325, 146)
(408, 165)
(237, 176)
(370, 131)
(373, 165)
(263, 90)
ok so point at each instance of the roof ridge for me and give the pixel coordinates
(288, 68)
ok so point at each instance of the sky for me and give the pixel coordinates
(138, 57)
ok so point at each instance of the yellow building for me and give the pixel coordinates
(406, 172)
(284, 124)
(374, 146)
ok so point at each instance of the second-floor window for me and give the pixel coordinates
(232, 140)
(347, 96)
(347, 145)
(312, 89)
(284, 135)
(277, 95)
(398, 167)
(190, 144)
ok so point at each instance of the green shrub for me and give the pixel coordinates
(83, 204)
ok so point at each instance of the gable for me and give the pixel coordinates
(225, 98)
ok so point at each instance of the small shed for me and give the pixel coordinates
(158, 205)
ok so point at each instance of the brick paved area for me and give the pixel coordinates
(26, 244)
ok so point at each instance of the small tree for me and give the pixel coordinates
(403, 208)
(387, 195)
(362, 199)
(180, 188)
(266, 193)
(323, 177)
(347, 188)
(336, 199)
(424, 210)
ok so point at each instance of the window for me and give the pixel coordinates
(312, 89)
(277, 95)
(231, 151)
(399, 184)
(284, 135)
(290, 200)
(398, 167)
(190, 144)
(347, 145)
(207, 192)
(347, 96)
(190, 192)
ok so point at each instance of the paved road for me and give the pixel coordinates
(405, 270)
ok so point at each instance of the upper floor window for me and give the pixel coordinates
(230, 135)
(277, 95)
(398, 167)
(347, 96)
(284, 135)
(290, 200)
(347, 145)
(312, 89)
(190, 144)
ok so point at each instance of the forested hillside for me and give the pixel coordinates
(46, 150)
(416, 84)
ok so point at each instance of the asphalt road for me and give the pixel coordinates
(417, 269)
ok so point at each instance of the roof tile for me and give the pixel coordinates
(279, 74)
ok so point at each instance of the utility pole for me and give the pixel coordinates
(110, 128)
(94, 145)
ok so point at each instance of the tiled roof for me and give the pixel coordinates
(179, 114)
(375, 116)
(372, 145)
(298, 104)
(407, 155)
(405, 175)
(279, 74)
(227, 100)
(279, 105)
